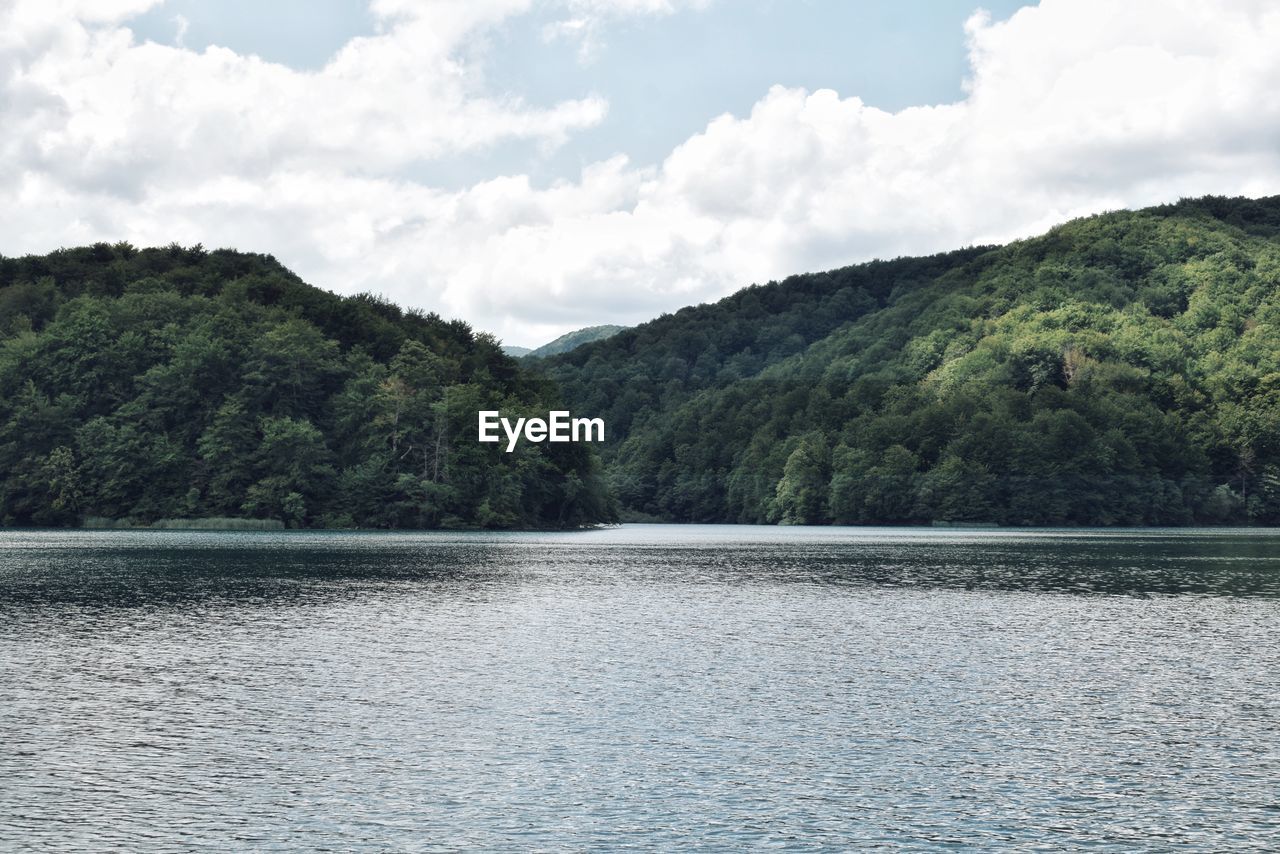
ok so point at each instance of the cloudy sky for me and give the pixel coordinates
(534, 166)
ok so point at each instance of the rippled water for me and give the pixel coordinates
(643, 686)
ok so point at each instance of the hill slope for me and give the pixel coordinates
(1121, 369)
(144, 384)
(575, 339)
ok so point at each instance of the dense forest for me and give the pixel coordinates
(146, 384)
(1120, 370)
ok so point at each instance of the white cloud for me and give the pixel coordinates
(588, 19)
(1072, 107)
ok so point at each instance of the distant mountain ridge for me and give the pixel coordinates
(573, 340)
(566, 342)
(1120, 369)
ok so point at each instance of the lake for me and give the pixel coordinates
(640, 687)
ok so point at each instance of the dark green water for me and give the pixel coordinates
(643, 687)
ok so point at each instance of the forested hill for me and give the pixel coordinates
(575, 339)
(1120, 370)
(142, 384)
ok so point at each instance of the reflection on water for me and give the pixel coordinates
(639, 686)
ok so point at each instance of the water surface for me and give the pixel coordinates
(641, 686)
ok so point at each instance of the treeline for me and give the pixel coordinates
(1120, 370)
(148, 384)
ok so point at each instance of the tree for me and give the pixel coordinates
(801, 495)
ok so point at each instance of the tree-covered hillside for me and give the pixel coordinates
(161, 383)
(1121, 369)
(573, 340)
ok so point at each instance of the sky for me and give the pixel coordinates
(535, 166)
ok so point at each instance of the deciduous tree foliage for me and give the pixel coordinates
(175, 382)
(1120, 370)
